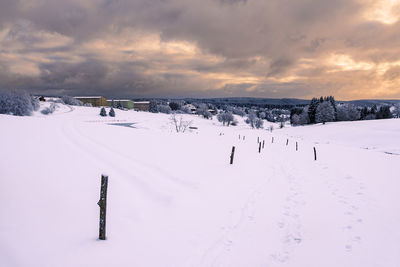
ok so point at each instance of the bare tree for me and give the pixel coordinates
(179, 123)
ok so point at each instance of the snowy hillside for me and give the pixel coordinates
(174, 199)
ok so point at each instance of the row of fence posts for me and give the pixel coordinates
(261, 145)
(104, 185)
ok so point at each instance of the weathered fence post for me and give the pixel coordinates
(287, 141)
(315, 154)
(103, 206)
(259, 147)
(263, 144)
(244, 137)
(258, 139)
(272, 140)
(296, 146)
(232, 154)
(239, 136)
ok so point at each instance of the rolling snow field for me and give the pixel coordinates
(174, 199)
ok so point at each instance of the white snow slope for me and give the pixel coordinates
(174, 199)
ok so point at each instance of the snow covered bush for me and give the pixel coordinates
(103, 112)
(112, 112)
(69, 100)
(179, 123)
(49, 110)
(18, 103)
(164, 109)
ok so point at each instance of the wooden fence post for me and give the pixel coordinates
(287, 141)
(296, 146)
(258, 140)
(315, 154)
(263, 144)
(103, 207)
(232, 154)
(259, 147)
(272, 141)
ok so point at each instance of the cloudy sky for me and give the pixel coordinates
(202, 48)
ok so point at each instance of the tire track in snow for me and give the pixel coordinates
(81, 143)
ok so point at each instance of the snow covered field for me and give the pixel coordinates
(174, 200)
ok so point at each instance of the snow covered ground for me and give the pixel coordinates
(174, 199)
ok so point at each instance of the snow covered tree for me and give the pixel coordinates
(324, 112)
(112, 112)
(202, 110)
(225, 117)
(103, 112)
(347, 112)
(18, 103)
(69, 100)
(396, 111)
(251, 119)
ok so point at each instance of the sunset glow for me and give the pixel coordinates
(182, 48)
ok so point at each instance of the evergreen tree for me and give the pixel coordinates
(103, 112)
(112, 112)
(331, 99)
(153, 106)
(384, 113)
(312, 109)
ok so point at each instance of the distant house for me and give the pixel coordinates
(141, 105)
(124, 103)
(96, 101)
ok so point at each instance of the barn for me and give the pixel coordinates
(141, 105)
(96, 101)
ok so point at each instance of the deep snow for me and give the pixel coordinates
(174, 200)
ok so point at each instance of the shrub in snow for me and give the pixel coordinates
(325, 112)
(69, 100)
(259, 123)
(49, 110)
(17, 103)
(103, 112)
(234, 123)
(179, 123)
(87, 105)
(111, 113)
(225, 117)
(164, 109)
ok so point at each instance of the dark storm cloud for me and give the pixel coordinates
(254, 47)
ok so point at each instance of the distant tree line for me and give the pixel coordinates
(326, 109)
